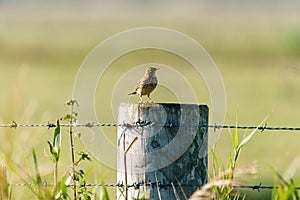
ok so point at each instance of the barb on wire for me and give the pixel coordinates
(258, 187)
(149, 123)
(14, 124)
(261, 128)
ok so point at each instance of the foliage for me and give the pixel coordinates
(32, 180)
(221, 186)
(284, 187)
(60, 187)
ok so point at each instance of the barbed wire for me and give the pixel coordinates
(148, 123)
(257, 187)
(215, 127)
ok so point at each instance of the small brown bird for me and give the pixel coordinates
(147, 83)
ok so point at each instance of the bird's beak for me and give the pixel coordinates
(157, 68)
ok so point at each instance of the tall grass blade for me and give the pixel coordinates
(29, 170)
(236, 136)
(38, 180)
(274, 188)
(157, 187)
(215, 159)
(3, 182)
(247, 139)
(231, 138)
(175, 192)
(105, 195)
(181, 189)
(280, 176)
(86, 174)
(38, 175)
(12, 168)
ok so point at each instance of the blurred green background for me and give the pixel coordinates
(255, 45)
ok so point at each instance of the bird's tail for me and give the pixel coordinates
(132, 93)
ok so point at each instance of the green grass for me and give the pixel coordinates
(258, 57)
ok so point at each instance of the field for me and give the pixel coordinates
(256, 48)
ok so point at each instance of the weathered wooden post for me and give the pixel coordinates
(165, 154)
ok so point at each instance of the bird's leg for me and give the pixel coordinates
(141, 99)
(150, 98)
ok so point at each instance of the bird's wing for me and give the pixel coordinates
(143, 82)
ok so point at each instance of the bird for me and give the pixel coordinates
(147, 83)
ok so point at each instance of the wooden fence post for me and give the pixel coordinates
(165, 154)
